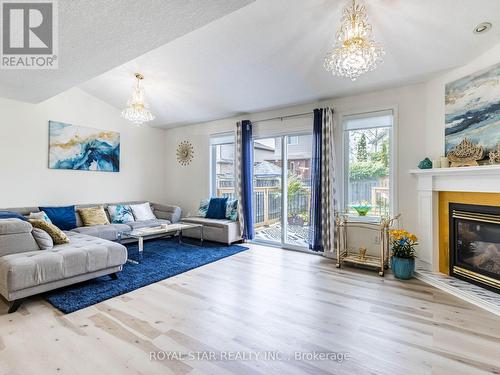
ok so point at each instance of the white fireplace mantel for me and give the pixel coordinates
(484, 179)
(481, 179)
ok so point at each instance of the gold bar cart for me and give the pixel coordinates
(381, 262)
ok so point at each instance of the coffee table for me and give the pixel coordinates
(158, 232)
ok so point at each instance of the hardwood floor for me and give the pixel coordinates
(258, 302)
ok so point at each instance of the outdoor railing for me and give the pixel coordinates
(374, 191)
(267, 204)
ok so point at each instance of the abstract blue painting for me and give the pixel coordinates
(473, 109)
(82, 148)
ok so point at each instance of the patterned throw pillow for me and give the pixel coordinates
(58, 236)
(40, 216)
(93, 216)
(202, 210)
(232, 210)
(120, 214)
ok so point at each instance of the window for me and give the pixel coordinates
(368, 163)
(222, 165)
(293, 140)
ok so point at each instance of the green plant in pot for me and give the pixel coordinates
(403, 253)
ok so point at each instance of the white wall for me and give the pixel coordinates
(26, 179)
(187, 185)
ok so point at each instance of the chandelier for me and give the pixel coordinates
(136, 110)
(355, 51)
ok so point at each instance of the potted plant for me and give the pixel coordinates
(403, 253)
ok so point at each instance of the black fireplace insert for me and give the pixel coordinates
(475, 244)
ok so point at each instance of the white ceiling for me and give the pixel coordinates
(98, 35)
(270, 54)
(264, 55)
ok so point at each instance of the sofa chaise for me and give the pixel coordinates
(26, 270)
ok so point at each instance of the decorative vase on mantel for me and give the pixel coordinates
(425, 164)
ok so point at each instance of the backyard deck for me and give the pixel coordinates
(296, 235)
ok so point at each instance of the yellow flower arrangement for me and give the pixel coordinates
(402, 243)
(399, 234)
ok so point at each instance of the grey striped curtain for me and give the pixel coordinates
(328, 202)
(243, 178)
(323, 203)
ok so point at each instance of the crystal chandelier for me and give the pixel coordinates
(355, 51)
(136, 110)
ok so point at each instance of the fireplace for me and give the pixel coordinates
(475, 244)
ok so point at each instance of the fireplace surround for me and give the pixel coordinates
(436, 188)
(474, 232)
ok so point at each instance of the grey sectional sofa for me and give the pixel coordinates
(26, 270)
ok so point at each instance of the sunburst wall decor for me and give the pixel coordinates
(185, 153)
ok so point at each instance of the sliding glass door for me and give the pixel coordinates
(282, 190)
(267, 189)
(298, 152)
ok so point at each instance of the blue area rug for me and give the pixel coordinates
(161, 259)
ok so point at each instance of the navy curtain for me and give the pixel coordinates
(246, 178)
(316, 238)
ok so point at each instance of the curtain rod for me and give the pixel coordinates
(284, 117)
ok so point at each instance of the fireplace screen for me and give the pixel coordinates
(475, 244)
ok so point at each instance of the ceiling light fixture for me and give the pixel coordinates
(137, 111)
(355, 52)
(482, 28)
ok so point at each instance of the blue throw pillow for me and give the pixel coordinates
(217, 208)
(62, 217)
(11, 215)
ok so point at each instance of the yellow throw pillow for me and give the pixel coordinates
(93, 216)
(58, 236)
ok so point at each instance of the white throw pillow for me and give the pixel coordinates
(41, 215)
(142, 211)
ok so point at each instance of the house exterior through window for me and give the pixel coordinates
(368, 164)
(222, 150)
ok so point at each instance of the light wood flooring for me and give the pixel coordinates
(264, 299)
